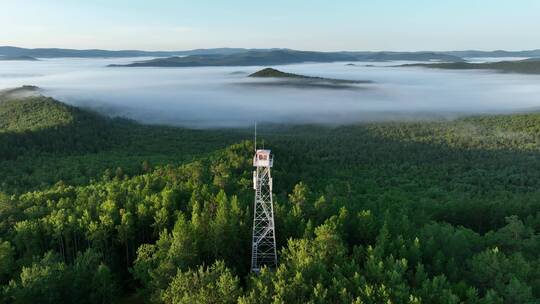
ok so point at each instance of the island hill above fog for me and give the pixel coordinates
(273, 73)
(279, 78)
(283, 56)
(22, 90)
(527, 66)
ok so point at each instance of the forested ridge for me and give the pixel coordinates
(395, 212)
(46, 141)
(526, 66)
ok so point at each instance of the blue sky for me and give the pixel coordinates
(299, 24)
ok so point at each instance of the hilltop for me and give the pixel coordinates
(270, 72)
(25, 90)
(31, 121)
(273, 73)
(24, 109)
(302, 81)
(45, 136)
(527, 66)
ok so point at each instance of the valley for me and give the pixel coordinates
(115, 208)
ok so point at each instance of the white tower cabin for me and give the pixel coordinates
(263, 248)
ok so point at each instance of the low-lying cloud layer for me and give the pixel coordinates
(211, 96)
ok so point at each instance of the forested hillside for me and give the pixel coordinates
(45, 141)
(420, 212)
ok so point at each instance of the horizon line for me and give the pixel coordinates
(270, 48)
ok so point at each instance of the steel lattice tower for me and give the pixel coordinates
(263, 248)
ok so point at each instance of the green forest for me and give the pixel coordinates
(107, 210)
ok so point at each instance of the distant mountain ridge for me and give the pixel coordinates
(18, 58)
(278, 57)
(368, 55)
(527, 66)
(97, 53)
(272, 57)
(403, 56)
(496, 54)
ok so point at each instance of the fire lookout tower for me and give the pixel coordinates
(263, 248)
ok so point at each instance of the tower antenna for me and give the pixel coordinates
(255, 141)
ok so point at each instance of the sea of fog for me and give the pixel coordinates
(218, 96)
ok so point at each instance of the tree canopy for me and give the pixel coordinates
(416, 212)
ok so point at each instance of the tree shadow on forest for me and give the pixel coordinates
(474, 187)
(95, 144)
